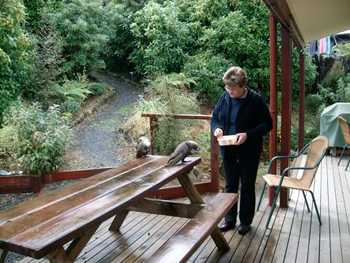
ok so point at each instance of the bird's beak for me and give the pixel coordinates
(197, 150)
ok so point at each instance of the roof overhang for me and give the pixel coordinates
(310, 20)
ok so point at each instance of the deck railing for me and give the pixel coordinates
(213, 184)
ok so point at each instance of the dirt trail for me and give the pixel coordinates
(97, 142)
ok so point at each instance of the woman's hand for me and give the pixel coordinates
(242, 137)
(218, 133)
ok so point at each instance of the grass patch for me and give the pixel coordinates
(125, 110)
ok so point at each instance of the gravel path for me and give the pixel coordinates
(96, 142)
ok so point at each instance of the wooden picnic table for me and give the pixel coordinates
(43, 227)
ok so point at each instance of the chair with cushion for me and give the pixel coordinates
(345, 127)
(317, 149)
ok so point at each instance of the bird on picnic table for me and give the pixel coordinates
(183, 150)
(143, 147)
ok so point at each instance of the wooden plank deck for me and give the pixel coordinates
(296, 235)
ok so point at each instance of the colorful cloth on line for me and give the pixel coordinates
(323, 45)
(328, 45)
(313, 48)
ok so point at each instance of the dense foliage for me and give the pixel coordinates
(84, 27)
(15, 52)
(41, 137)
(159, 40)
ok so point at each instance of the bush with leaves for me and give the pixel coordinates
(203, 11)
(48, 59)
(84, 27)
(33, 14)
(70, 107)
(243, 40)
(159, 40)
(77, 89)
(119, 45)
(342, 50)
(343, 89)
(329, 85)
(207, 71)
(15, 52)
(43, 137)
(97, 88)
(310, 74)
(8, 140)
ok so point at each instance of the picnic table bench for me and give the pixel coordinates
(43, 227)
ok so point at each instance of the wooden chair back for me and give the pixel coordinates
(315, 152)
(345, 129)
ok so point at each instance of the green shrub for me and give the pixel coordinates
(342, 50)
(343, 89)
(207, 71)
(7, 142)
(97, 88)
(42, 137)
(84, 27)
(313, 103)
(77, 90)
(329, 85)
(159, 40)
(33, 14)
(15, 53)
(70, 106)
(204, 140)
(47, 69)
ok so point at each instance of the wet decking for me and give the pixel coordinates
(294, 234)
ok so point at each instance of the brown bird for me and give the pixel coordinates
(181, 152)
(143, 147)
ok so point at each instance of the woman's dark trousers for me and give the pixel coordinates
(246, 171)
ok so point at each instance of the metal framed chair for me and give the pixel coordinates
(317, 149)
(345, 127)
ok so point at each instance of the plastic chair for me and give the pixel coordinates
(345, 127)
(317, 149)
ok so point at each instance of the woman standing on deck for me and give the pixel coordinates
(242, 112)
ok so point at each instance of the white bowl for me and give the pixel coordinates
(228, 140)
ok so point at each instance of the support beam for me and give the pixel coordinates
(286, 104)
(301, 100)
(214, 161)
(273, 96)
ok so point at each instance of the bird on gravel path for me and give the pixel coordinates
(183, 150)
(143, 147)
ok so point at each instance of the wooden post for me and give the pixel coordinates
(301, 99)
(152, 123)
(214, 156)
(286, 105)
(36, 180)
(273, 97)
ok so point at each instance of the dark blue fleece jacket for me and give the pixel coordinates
(253, 118)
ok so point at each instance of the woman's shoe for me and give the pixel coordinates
(226, 226)
(242, 230)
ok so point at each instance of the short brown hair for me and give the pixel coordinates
(235, 76)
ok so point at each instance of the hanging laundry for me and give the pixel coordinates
(323, 45)
(313, 48)
(328, 45)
